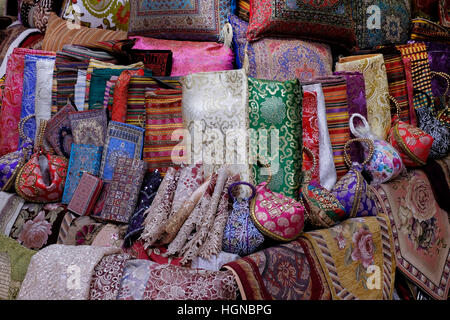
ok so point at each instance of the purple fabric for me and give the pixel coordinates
(9, 162)
(345, 191)
(356, 100)
(439, 58)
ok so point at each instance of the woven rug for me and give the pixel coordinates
(357, 257)
(285, 272)
(421, 232)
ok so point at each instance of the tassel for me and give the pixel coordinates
(226, 36)
(246, 64)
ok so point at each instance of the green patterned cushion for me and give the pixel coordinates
(277, 105)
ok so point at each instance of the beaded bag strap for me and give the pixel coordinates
(369, 156)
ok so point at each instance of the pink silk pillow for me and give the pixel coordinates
(12, 99)
(190, 56)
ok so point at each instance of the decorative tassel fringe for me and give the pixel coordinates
(246, 64)
(226, 35)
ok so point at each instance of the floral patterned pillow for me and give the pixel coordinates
(103, 14)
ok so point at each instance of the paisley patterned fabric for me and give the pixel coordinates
(288, 271)
(112, 14)
(189, 20)
(147, 280)
(386, 23)
(421, 231)
(347, 253)
(83, 158)
(275, 109)
(214, 104)
(280, 59)
(374, 70)
(190, 56)
(329, 21)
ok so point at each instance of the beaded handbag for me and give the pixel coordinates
(276, 215)
(323, 209)
(443, 113)
(386, 163)
(412, 143)
(11, 163)
(43, 177)
(240, 235)
(352, 190)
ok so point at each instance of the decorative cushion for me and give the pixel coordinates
(60, 32)
(280, 59)
(324, 21)
(193, 20)
(386, 23)
(111, 14)
(276, 106)
(190, 56)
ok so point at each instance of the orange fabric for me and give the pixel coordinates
(120, 97)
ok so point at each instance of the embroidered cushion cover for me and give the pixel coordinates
(329, 21)
(280, 59)
(184, 20)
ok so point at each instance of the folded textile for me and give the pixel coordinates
(60, 272)
(147, 280)
(349, 254)
(327, 170)
(288, 271)
(10, 206)
(376, 83)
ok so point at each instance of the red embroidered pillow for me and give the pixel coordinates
(324, 20)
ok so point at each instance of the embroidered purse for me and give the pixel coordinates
(352, 190)
(443, 113)
(240, 235)
(439, 131)
(386, 163)
(276, 215)
(323, 208)
(59, 132)
(11, 163)
(413, 144)
(43, 177)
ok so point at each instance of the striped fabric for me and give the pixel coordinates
(108, 93)
(68, 61)
(421, 72)
(137, 87)
(94, 63)
(395, 71)
(243, 9)
(60, 32)
(163, 117)
(66, 79)
(335, 94)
